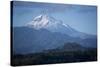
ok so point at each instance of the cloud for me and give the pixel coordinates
(87, 9)
(53, 7)
(43, 7)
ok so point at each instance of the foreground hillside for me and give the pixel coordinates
(55, 56)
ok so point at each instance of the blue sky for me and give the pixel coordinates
(80, 17)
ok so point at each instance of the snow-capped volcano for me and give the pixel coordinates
(45, 32)
(39, 22)
(54, 25)
(45, 21)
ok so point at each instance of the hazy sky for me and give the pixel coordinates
(80, 17)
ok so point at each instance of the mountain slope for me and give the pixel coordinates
(29, 40)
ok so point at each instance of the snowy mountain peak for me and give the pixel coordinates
(44, 21)
(39, 22)
(48, 22)
(51, 24)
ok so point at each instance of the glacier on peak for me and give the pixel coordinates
(39, 22)
(45, 21)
